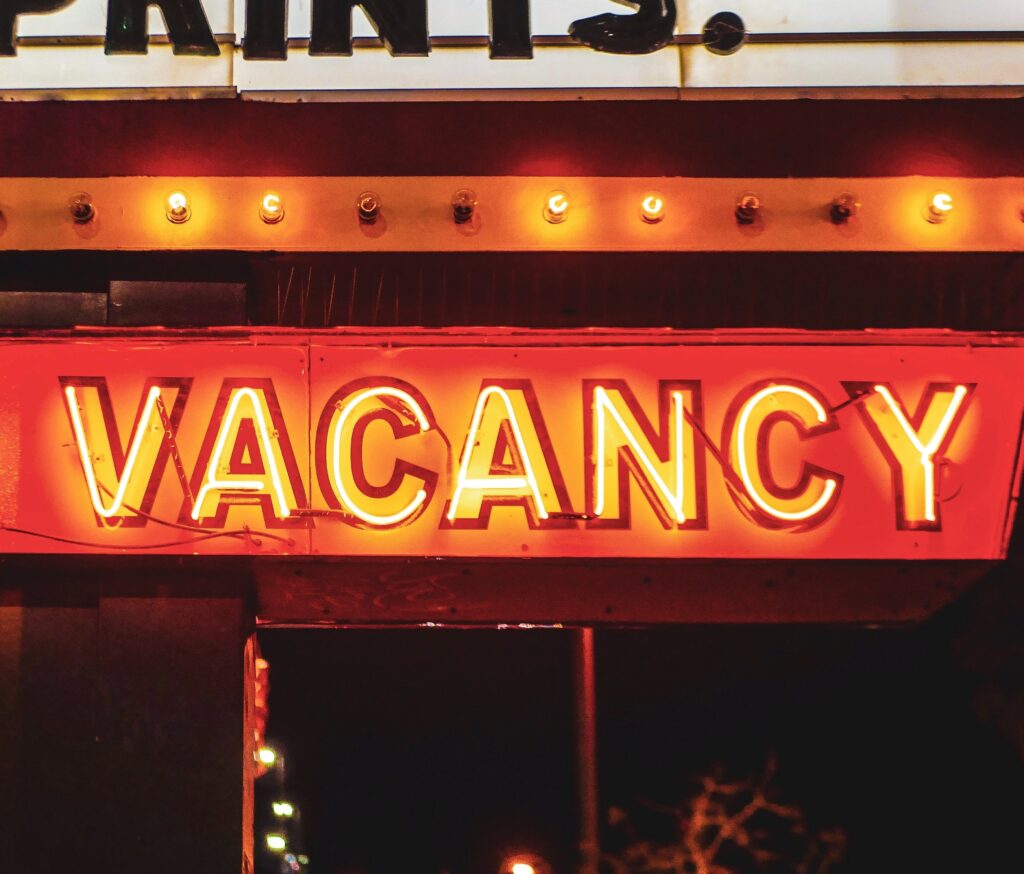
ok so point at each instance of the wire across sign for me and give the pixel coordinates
(579, 444)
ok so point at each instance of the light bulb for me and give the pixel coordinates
(271, 207)
(652, 208)
(179, 207)
(368, 207)
(276, 842)
(939, 207)
(463, 206)
(844, 207)
(556, 207)
(748, 208)
(82, 208)
(267, 756)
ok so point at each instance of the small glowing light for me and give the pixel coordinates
(82, 208)
(283, 808)
(368, 207)
(556, 207)
(652, 208)
(525, 863)
(272, 207)
(463, 205)
(844, 207)
(267, 756)
(303, 859)
(276, 842)
(748, 208)
(179, 207)
(939, 207)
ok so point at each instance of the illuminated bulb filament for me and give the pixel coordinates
(179, 207)
(939, 207)
(272, 208)
(652, 209)
(556, 207)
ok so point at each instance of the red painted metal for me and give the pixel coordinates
(741, 138)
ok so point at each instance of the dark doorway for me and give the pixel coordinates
(827, 749)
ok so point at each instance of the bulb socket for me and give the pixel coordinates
(368, 207)
(844, 207)
(748, 208)
(82, 208)
(463, 206)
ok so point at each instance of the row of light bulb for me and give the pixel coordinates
(557, 207)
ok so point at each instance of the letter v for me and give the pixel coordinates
(122, 484)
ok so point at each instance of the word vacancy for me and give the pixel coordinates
(381, 458)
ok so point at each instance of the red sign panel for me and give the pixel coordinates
(575, 444)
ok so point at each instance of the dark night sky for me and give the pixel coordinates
(435, 750)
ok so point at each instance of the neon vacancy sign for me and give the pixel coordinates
(573, 449)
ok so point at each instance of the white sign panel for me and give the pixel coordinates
(452, 49)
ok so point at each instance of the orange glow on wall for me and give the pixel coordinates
(587, 444)
(515, 213)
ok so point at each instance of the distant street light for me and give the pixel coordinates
(525, 863)
(283, 808)
(276, 842)
(267, 756)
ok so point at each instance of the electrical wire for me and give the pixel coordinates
(140, 546)
(240, 532)
(200, 534)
